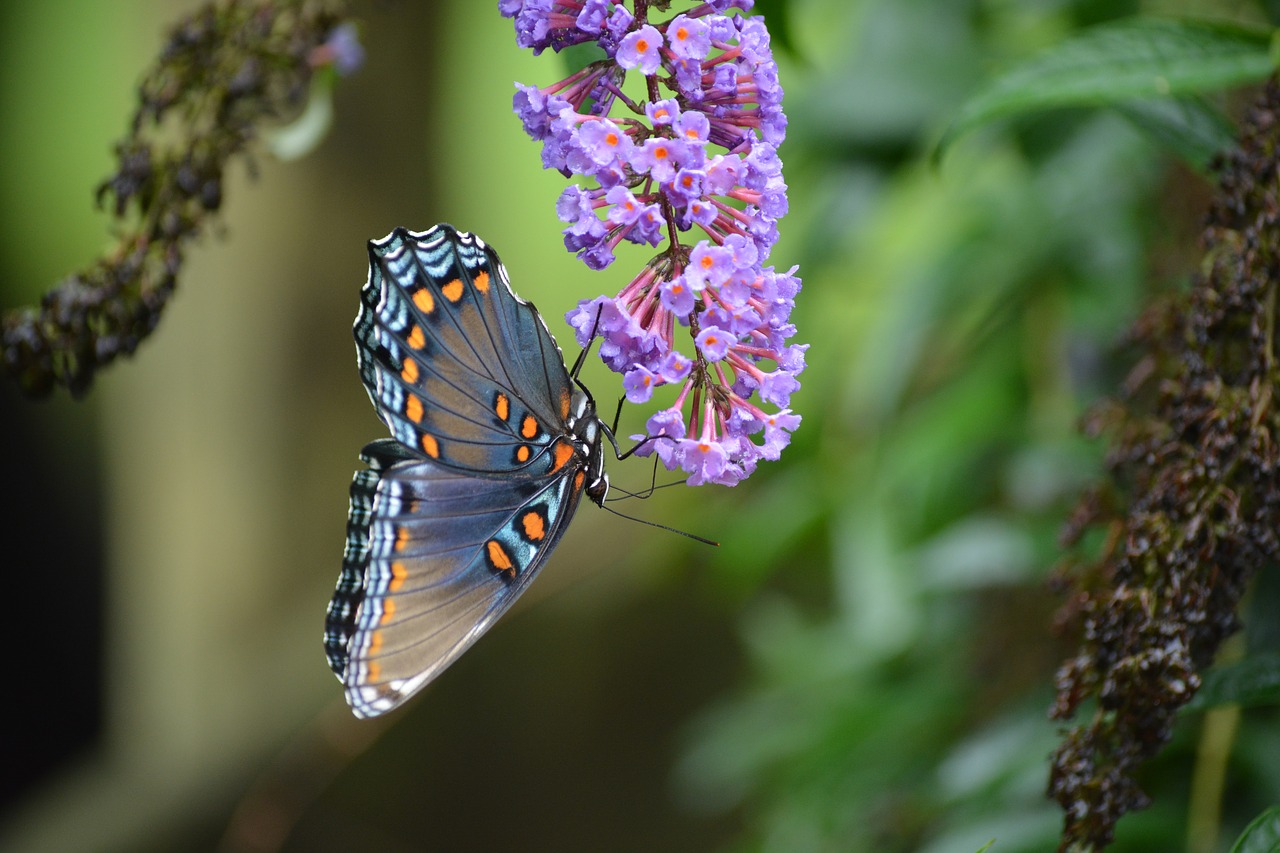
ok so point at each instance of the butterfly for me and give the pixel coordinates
(493, 443)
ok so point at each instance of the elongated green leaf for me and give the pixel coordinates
(1253, 681)
(1262, 835)
(1190, 127)
(1118, 63)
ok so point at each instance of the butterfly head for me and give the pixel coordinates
(588, 433)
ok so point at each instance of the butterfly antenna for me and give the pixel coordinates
(692, 536)
(641, 495)
(653, 485)
(641, 443)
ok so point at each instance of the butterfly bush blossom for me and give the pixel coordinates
(694, 164)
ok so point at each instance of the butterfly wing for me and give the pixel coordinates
(458, 367)
(433, 558)
(455, 516)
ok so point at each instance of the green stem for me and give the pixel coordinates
(1209, 777)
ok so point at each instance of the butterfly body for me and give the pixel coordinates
(493, 444)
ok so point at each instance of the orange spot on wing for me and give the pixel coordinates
(502, 407)
(402, 538)
(388, 611)
(398, 574)
(522, 453)
(564, 403)
(430, 446)
(453, 290)
(375, 670)
(482, 281)
(577, 480)
(564, 451)
(409, 373)
(529, 427)
(417, 340)
(499, 558)
(424, 300)
(535, 525)
(375, 643)
(413, 408)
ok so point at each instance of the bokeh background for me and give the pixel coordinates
(864, 664)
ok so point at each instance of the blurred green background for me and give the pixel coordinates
(864, 664)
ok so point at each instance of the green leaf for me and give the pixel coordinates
(1262, 835)
(1272, 9)
(1253, 681)
(1109, 65)
(1190, 127)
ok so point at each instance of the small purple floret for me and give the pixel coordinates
(641, 49)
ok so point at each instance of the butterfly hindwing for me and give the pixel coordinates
(442, 556)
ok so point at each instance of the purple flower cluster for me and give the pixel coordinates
(701, 160)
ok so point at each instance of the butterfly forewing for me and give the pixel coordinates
(455, 515)
(456, 365)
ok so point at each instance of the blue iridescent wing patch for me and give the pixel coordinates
(493, 443)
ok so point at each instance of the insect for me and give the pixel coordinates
(494, 441)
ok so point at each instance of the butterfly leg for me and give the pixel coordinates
(582, 356)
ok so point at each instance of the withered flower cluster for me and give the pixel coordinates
(224, 71)
(1192, 509)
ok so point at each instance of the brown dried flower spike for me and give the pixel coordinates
(225, 70)
(1192, 511)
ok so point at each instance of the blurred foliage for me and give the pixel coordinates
(1152, 69)
(1261, 835)
(901, 643)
